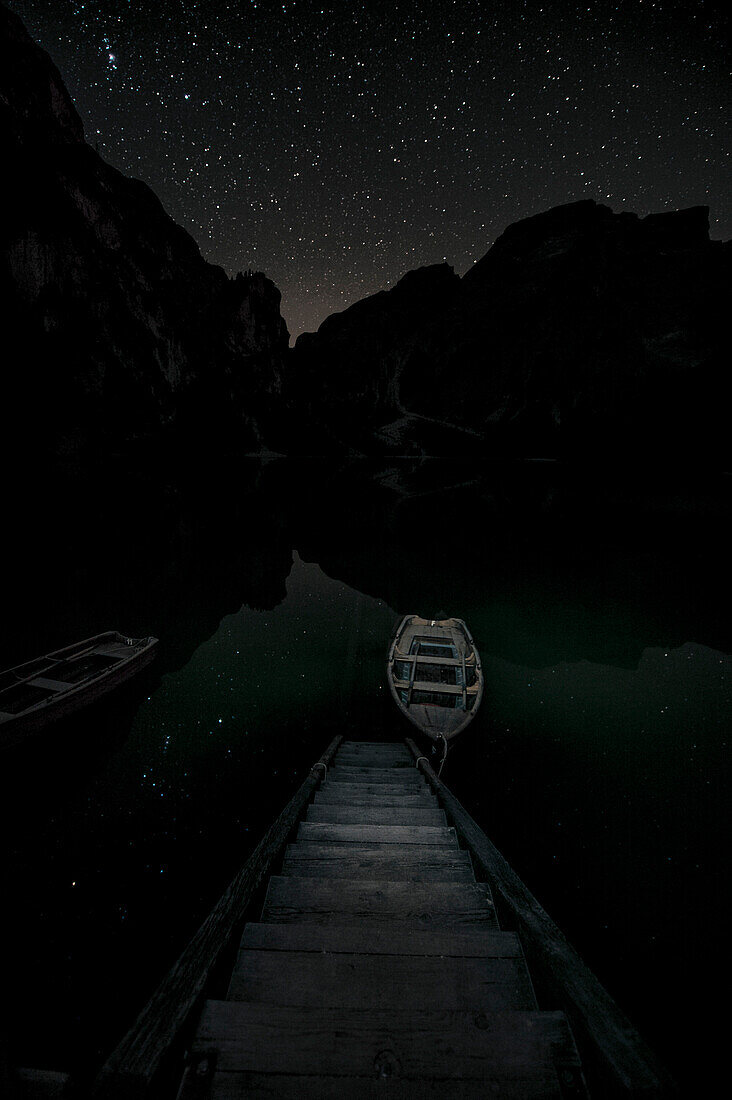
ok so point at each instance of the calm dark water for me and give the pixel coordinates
(597, 763)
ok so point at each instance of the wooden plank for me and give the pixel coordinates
(437, 1045)
(350, 901)
(376, 815)
(409, 855)
(474, 943)
(377, 775)
(382, 834)
(388, 755)
(310, 849)
(358, 786)
(394, 765)
(541, 1084)
(385, 790)
(386, 758)
(384, 748)
(134, 1063)
(371, 744)
(607, 1037)
(388, 790)
(385, 751)
(378, 868)
(404, 769)
(369, 777)
(405, 798)
(390, 981)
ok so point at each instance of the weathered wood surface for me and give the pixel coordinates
(405, 773)
(381, 869)
(437, 864)
(307, 849)
(360, 760)
(435, 1045)
(390, 981)
(377, 868)
(477, 942)
(131, 1068)
(604, 1033)
(382, 834)
(541, 1084)
(367, 902)
(398, 758)
(337, 797)
(376, 790)
(367, 815)
(388, 759)
(372, 746)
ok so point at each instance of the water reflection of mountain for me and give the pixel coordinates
(549, 563)
(144, 558)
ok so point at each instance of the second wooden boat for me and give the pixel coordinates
(38, 692)
(435, 675)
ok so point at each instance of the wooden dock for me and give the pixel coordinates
(375, 964)
(378, 963)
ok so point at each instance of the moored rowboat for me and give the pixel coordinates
(435, 675)
(41, 691)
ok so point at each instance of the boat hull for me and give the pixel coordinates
(435, 675)
(93, 668)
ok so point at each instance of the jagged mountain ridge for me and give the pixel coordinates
(580, 332)
(118, 337)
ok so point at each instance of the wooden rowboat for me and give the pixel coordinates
(435, 675)
(41, 691)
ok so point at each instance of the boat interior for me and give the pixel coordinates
(38, 680)
(438, 669)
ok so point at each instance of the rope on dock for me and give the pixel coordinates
(444, 755)
(320, 764)
(426, 760)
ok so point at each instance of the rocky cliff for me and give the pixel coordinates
(117, 338)
(581, 332)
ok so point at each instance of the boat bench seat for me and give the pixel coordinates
(48, 684)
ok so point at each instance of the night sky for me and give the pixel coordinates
(337, 145)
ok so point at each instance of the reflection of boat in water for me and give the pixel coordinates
(435, 675)
(39, 692)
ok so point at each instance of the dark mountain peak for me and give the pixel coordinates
(431, 279)
(580, 332)
(415, 291)
(34, 103)
(583, 216)
(544, 235)
(588, 228)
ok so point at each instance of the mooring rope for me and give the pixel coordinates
(320, 764)
(444, 755)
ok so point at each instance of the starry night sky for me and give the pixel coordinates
(336, 144)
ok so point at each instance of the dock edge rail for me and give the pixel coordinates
(607, 1040)
(133, 1066)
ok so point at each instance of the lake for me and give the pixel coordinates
(600, 604)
